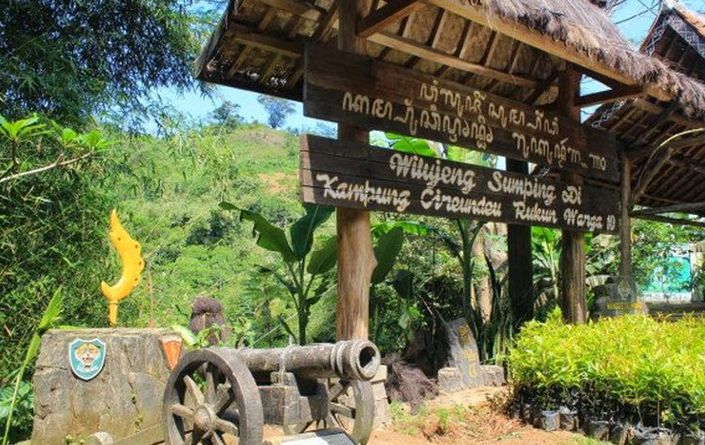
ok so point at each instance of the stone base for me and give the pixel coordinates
(125, 398)
(449, 380)
(493, 375)
(383, 413)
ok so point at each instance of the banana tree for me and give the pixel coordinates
(386, 250)
(305, 269)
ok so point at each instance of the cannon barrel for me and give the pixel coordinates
(355, 359)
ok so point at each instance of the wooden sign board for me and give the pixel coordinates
(357, 90)
(350, 174)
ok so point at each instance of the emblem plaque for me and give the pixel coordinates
(87, 357)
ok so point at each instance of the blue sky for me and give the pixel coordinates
(198, 107)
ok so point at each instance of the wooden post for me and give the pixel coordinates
(356, 258)
(625, 225)
(520, 269)
(573, 242)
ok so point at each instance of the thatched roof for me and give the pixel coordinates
(677, 40)
(524, 43)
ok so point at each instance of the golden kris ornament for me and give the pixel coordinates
(132, 266)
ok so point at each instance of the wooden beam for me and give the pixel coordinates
(267, 42)
(269, 69)
(666, 219)
(356, 256)
(417, 49)
(266, 19)
(461, 48)
(244, 52)
(326, 24)
(490, 49)
(687, 164)
(644, 181)
(388, 14)
(675, 208)
(542, 88)
(609, 96)
(474, 11)
(652, 108)
(296, 7)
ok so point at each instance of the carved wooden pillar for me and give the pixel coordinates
(356, 258)
(625, 226)
(520, 267)
(573, 242)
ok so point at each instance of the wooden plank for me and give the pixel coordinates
(390, 13)
(475, 11)
(351, 174)
(380, 96)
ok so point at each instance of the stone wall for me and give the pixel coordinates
(125, 398)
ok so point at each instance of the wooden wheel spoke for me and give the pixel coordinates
(224, 426)
(211, 383)
(196, 437)
(182, 411)
(337, 389)
(193, 390)
(332, 422)
(193, 438)
(216, 439)
(223, 397)
(343, 410)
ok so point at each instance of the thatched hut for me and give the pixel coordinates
(671, 178)
(531, 51)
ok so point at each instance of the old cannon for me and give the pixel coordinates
(220, 395)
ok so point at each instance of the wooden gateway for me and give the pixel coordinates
(497, 76)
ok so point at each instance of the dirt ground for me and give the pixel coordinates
(469, 419)
(463, 418)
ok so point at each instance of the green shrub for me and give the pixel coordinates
(629, 368)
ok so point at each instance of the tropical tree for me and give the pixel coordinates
(227, 115)
(277, 109)
(72, 59)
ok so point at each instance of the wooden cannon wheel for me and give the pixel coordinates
(211, 394)
(351, 407)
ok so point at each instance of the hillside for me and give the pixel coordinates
(172, 190)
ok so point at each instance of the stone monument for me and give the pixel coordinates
(623, 298)
(101, 380)
(463, 355)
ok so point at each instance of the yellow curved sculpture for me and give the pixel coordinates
(132, 266)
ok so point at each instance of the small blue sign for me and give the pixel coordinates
(87, 357)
